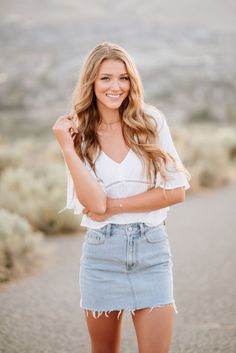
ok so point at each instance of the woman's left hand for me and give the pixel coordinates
(97, 217)
(111, 210)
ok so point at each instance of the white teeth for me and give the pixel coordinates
(113, 95)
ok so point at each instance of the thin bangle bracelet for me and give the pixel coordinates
(120, 206)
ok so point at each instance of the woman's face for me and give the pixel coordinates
(112, 84)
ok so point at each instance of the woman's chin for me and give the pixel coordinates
(114, 105)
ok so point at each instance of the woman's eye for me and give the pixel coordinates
(126, 78)
(104, 78)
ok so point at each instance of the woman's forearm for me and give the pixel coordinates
(147, 201)
(88, 190)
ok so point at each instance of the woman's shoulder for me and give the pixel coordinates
(155, 113)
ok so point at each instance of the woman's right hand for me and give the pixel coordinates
(63, 129)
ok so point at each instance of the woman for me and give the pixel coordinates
(123, 174)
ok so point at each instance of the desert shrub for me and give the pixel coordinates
(227, 137)
(21, 249)
(231, 114)
(203, 115)
(37, 194)
(9, 157)
(53, 177)
(209, 154)
(52, 153)
(36, 151)
(13, 95)
(22, 193)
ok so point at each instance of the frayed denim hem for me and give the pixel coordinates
(99, 313)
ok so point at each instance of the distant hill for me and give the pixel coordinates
(185, 52)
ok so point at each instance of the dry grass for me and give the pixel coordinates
(209, 153)
(21, 249)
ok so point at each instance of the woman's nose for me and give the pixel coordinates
(115, 85)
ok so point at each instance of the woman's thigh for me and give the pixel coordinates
(154, 329)
(104, 331)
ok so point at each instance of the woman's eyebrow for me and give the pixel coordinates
(111, 74)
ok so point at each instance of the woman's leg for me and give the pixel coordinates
(104, 331)
(154, 329)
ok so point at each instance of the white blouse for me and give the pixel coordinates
(121, 180)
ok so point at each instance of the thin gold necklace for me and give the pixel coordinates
(114, 122)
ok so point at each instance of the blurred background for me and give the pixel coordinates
(185, 52)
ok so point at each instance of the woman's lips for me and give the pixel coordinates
(113, 96)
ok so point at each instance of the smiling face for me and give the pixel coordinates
(112, 84)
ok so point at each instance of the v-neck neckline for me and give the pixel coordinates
(112, 160)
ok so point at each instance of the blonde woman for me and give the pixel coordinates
(123, 174)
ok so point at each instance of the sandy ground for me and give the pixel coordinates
(41, 313)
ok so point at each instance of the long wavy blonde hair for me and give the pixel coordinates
(139, 129)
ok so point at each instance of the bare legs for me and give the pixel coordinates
(105, 332)
(153, 330)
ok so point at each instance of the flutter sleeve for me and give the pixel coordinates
(72, 201)
(176, 178)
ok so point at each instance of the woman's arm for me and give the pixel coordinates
(147, 201)
(87, 189)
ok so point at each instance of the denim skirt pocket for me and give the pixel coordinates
(156, 234)
(94, 237)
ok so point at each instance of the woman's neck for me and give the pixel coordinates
(109, 116)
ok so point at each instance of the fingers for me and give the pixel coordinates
(73, 129)
(65, 122)
(72, 125)
(63, 117)
(87, 212)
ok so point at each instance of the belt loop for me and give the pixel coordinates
(142, 229)
(108, 230)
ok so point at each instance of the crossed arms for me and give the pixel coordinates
(99, 207)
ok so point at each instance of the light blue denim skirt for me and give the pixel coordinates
(126, 267)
